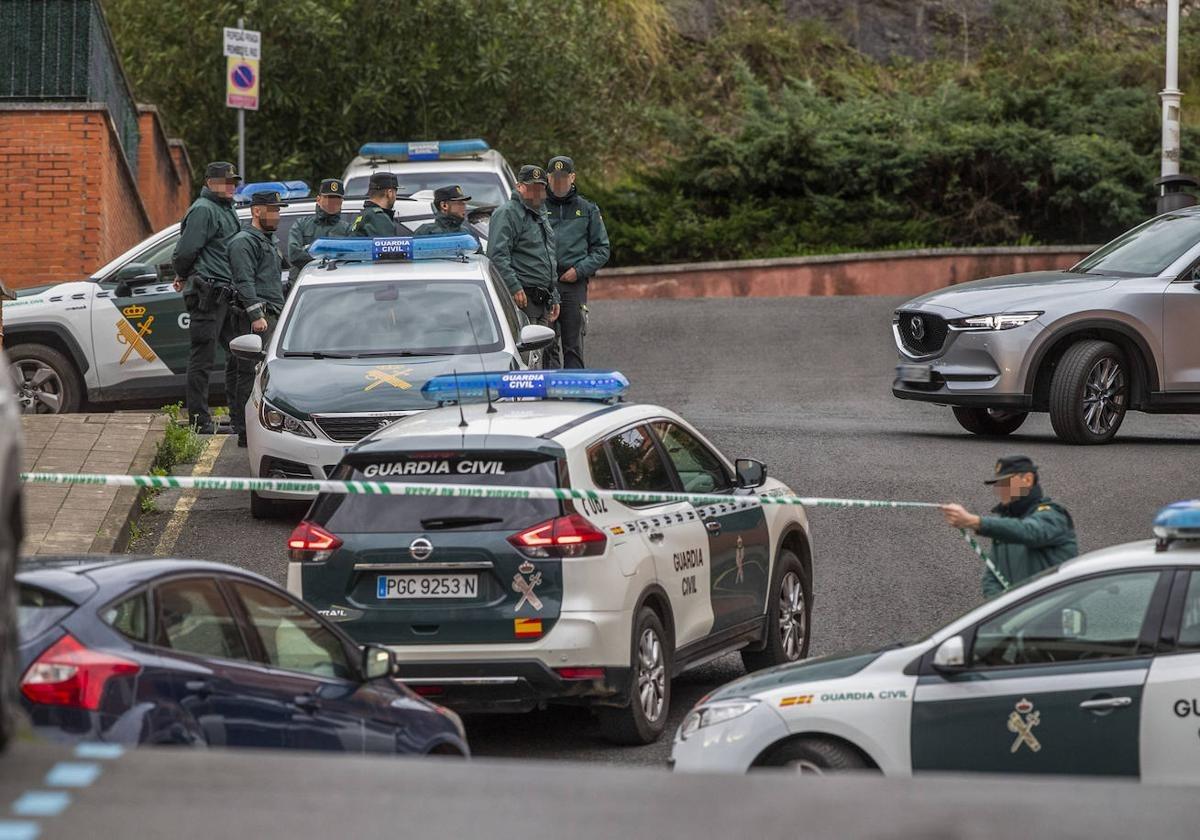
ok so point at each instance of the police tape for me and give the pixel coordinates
(704, 505)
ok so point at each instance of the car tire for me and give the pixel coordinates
(1089, 393)
(47, 382)
(650, 686)
(261, 508)
(789, 616)
(989, 422)
(815, 756)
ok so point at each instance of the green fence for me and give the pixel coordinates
(62, 51)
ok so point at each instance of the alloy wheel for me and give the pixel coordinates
(1104, 396)
(39, 387)
(652, 675)
(791, 616)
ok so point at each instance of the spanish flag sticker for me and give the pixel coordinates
(526, 628)
(802, 700)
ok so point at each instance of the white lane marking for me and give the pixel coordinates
(204, 466)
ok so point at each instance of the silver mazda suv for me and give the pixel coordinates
(1118, 331)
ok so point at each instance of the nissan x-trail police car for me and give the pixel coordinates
(505, 604)
(1091, 668)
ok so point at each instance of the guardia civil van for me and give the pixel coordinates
(506, 604)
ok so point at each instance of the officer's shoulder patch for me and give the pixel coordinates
(1045, 507)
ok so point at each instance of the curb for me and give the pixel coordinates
(113, 536)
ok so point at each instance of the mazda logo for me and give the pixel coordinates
(420, 549)
(917, 325)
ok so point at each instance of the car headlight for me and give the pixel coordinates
(276, 420)
(981, 323)
(714, 713)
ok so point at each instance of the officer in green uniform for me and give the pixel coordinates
(1029, 532)
(377, 217)
(254, 259)
(201, 262)
(449, 212)
(327, 221)
(521, 247)
(581, 249)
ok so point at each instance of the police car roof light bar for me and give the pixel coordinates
(528, 384)
(288, 190)
(357, 249)
(418, 150)
(1178, 521)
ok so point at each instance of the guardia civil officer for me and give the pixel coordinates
(377, 217)
(521, 247)
(1030, 533)
(201, 262)
(581, 249)
(449, 212)
(254, 259)
(327, 221)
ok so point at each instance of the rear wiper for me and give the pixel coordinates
(440, 522)
(316, 354)
(384, 354)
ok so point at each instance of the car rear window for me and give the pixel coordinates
(38, 611)
(354, 514)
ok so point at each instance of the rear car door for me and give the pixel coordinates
(738, 539)
(1181, 351)
(1053, 684)
(235, 701)
(1170, 749)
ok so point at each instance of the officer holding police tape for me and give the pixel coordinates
(521, 247)
(202, 273)
(581, 249)
(327, 221)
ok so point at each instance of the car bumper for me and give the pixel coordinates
(979, 369)
(288, 456)
(729, 747)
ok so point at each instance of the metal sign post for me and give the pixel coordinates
(243, 51)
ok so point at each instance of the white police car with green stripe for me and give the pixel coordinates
(511, 601)
(1091, 668)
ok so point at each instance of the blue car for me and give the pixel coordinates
(187, 652)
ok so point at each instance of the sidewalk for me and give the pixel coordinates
(85, 519)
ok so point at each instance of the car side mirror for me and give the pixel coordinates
(130, 276)
(535, 337)
(1196, 277)
(950, 654)
(377, 662)
(1074, 623)
(248, 347)
(750, 473)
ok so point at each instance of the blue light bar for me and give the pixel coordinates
(1178, 521)
(288, 190)
(358, 249)
(415, 150)
(535, 384)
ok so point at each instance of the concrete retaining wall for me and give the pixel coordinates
(877, 273)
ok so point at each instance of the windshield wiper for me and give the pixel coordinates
(440, 522)
(384, 354)
(316, 354)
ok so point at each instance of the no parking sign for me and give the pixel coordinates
(241, 68)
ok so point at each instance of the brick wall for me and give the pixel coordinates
(164, 176)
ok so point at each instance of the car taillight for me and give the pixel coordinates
(69, 674)
(312, 542)
(563, 536)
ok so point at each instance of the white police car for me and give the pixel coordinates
(359, 335)
(426, 165)
(120, 337)
(504, 604)
(1091, 668)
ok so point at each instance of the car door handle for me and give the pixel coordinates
(713, 526)
(201, 687)
(655, 536)
(1106, 703)
(307, 702)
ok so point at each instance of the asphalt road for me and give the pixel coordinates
(804, 385)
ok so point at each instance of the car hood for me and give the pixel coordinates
(304, 387)
(1011, 292)
(809, 671)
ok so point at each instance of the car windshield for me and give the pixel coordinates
(485, 188)
(406, 317)
(1146, 250)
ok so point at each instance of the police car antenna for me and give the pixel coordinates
(461, 417)
(487, 388)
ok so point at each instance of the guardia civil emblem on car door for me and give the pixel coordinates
(1021, 723)
(134, 335)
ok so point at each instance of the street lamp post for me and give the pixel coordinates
(1171, 185)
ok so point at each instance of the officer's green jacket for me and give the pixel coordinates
(307, 230)
(254, 256)
(203, 247)
(521, 247)
(442, 223)
(1022, 546)
(580, 239)
(373, 220)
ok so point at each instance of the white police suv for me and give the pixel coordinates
(369, 322)
(507, 602)
(422, 165)
(120, 337)
(1091, 668)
